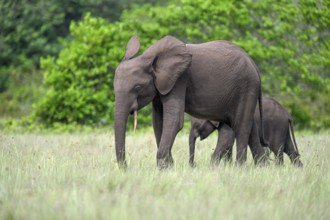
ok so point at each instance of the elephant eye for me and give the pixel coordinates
(138, 87)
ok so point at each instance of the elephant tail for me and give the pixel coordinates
(292, 136)
(263, 141)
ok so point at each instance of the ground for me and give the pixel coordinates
(75, 176)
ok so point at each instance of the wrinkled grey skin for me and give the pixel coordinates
(215, 81)
(277, 124)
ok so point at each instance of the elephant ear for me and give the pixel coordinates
(215, 123)
(132, 48)
(169, 59)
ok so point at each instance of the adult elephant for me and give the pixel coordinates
(215, 80)
(278, 131)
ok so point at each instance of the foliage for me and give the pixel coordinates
(78, 80)
(22, 90)
(31, 29)
(28, 30)
(289, 41)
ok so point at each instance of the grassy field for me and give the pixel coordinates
(75, 176)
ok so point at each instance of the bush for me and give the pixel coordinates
(289, 42)
(79, 83)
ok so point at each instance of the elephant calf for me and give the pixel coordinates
(277, 125)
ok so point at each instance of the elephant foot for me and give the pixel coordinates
(298, 163)
(165, 163)
(122, 165)
(262, 161)
(192, 164)
(216, 159)
(279, 163)
(228, 161)
(240, 163)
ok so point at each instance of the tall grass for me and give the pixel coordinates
(75, 176)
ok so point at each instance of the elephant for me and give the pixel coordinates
(215, 80)
(277, 123)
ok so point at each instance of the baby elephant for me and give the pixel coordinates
(278, 132)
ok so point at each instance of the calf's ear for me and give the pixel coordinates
(215, 123)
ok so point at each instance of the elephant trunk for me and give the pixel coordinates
(121, 116)
(192, 142)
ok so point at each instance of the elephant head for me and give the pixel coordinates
(139, 79)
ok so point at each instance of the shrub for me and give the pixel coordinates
(289, 41)
(79, 83)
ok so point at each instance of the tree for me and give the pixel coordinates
(287, 41)
(33, 29)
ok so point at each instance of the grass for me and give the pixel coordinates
(75, 176)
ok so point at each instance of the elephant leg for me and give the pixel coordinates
(241, 146)
(173, 117)
(279, 160)
(157, 119)
(226, 138)
(227, 155)
(276, 145)
(258, 152)
(172, 124)
(192, 144)
(292, 151)
(242, 125)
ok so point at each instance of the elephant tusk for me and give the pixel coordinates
(135, 120)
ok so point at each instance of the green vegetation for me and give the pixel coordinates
(75, 176)
(30, 30)
(289, 40)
